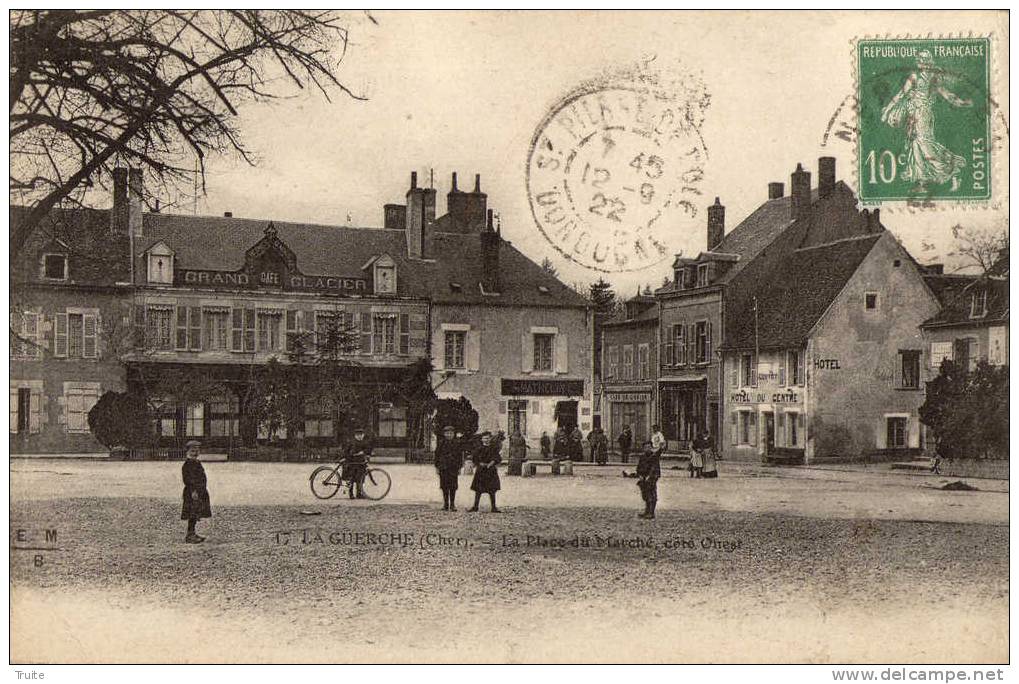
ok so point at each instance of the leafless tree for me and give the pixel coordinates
(976, 248)
(160, 89)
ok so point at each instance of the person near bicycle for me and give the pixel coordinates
(486, 458)
(355, 462)
(449, 457)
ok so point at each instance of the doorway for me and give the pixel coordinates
(517, 411)
(769, 433)
(566, 414)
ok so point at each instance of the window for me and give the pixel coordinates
(939, 352)
(628, 362)
(794, 362)
(24, 409)
(516, 411)
(679, 343)
(385, 279)
(748, 373)
(270, 328)
(702, 275)
(392, 421)
(794, 428)
(909, 362)
(25, 335)
(160, 265)
(870, 301)
(365, 344)
(165, 411)
(78, 401)
(189, 328)
(223, 417)
(217, 329)
(613, 354)
(978, 304)
(291, 332)
(384, 334)
(54, 266)
(897, 432)
(159, 327)
(543, 352)
(318, 421)
(195, 419)
(965, 352)
(643, 362)
(745, 423)
(703, 341)
(680, 278)
(455, 348)
(404, 334)
(242, 330)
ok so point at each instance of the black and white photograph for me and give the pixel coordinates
(510, 337)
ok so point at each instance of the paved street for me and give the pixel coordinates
(763, 564)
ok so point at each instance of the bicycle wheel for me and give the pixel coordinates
(326, 481)
(376, 484)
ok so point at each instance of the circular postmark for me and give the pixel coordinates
(615, 167)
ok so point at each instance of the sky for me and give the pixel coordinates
(465, 92)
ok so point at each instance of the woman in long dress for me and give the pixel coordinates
(912, 108)
(486, 476)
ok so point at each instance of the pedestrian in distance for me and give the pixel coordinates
(448, 461)
(196, 493)
(697, 455)
(625, 441)
(576, 450)
(658, 441)
(709, 468)
(355, 465)
(546, 446)
(486, 474)
(649, 469)
(599, 446)
(561, 443)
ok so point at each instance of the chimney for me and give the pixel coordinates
(800, 193)
(874, 223)
(419, 219)
(490, 240)
(126, 215)
(466, 209)
(716, 224)
(825, 176)
(135, 202)
(776, 190)
(228, 214)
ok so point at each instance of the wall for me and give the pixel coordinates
(495, 342)
(616, 337)
(855, 397)
(48, 374)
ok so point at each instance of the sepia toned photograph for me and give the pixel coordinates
(505, 337)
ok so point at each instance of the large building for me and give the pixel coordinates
(630, 370)
(187, 310)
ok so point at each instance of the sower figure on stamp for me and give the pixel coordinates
(448, 461)
(359, 450)
(649, 469)
(486, 475)
(196, 494)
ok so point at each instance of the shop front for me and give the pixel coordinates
(534, 406)
(685, 411)
(632, 407)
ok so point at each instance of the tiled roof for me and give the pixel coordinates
(955, 294)
(95, 255)
(646, 316)
(220, 243)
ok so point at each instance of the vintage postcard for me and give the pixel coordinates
(510, 337)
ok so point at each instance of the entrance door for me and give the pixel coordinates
(24, 409)
(769, 433)
(517, 411)
(566, 414)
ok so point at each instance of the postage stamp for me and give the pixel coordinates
(924, 128)
(615, 166)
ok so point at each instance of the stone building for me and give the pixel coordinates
(822, 351)
(630, 370)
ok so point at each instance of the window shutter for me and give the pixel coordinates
(60, 335)
(734, 428)
(800, 367)
(734, 372)
(195, 328)
(752, 417)
(182, 328)
(502, 407)
(366, 332)
(780, 428)
(801, 423)
(753, 370)
(707, 343)
(139, 326)
(90, 338)
(249, 330)
(667, 360)
(781, 368)
(291, 325)
(237, 330)
(439, 350)
(13, 409)
(33, 416)
(691, 344)
(404, 334)
(526, 352)
(473, 351)
(562, 362)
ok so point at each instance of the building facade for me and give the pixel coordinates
(630, 370)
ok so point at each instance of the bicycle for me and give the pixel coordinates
(326, 481)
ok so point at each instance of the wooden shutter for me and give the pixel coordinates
(734, 428)
(801, 433)
(366, 332)
(290, 329)
(60, 335)
(404, 334)
(707, 342)
(800, 367)
(781, 368)
(182, 328)
(90, 336)
(237, 329)
(780, 428)
(249, 330)
(13, 410)
(752, 417)
(33, 417)
(439, 350)
(753, 370)
(691, 344)
(139, 326)
(526, 352)
(734, 371)
(473, 351)
(562, 351)
(195, 328)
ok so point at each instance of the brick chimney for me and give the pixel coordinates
(800, 193)
(490, 280)
(420, 219)
(825, 176)
(467, 209)
(776, 190)
(126, 215)
(716, 224)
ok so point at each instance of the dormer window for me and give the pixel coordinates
(160, 264)
(54, 266)
(978, 304)
(702, 275)
(384, 275)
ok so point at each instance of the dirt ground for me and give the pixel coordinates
(761, 565)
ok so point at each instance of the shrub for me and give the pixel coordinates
(121, 419)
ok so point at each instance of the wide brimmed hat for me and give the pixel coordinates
(486, 433)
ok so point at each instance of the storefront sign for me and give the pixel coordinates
(629, 397)
(272, 279)
(542, 388)
(745, 397)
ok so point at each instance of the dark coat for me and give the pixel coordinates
(599, 446)
(546, 446)
(449, 455)
(625, 440)
(355, 456)
(196, 496)
(649, 467)
(486, 475)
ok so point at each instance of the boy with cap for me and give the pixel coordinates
(196, 494)
(359, 450)
(448, 460)
(649, 469)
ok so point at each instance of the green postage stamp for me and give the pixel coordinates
(924, 119)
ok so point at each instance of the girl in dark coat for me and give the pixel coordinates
(448, 460)
(486, 475)
(196, 495)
